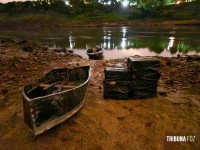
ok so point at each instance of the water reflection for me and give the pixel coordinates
(124, 41)
(71, 41)
(107, 42)
(51, 43)
(171, 42)
(127, 38)
(132, 40)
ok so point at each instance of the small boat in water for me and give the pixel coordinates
(55, 97)
(95, 53)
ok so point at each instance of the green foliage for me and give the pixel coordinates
(95, 10)
(135, 13)
(182, 11)
(77, 3)
(149, 4)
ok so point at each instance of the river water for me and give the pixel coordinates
(118, 42)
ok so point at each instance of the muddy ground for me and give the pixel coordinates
(100, 124)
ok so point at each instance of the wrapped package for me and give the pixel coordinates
(145, 76)
(117, 74)
(117, 89)
(143, 64)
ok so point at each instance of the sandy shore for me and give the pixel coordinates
(100, 124)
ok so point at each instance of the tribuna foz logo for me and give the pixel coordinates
(180, 138)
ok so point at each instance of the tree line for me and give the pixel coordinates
(71, 8)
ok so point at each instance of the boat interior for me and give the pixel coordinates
(57, 80)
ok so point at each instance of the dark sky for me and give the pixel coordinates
(5, 1)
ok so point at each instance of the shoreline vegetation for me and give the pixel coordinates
(94, 15)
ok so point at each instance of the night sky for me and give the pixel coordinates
(5, 1)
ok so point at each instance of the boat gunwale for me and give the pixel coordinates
(95, 53)
(58, 93)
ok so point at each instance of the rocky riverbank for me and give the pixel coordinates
(100, 124)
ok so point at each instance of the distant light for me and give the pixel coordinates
(178, 2)
(108, 3)
(125, 3)
(133, 4)
(66, 2)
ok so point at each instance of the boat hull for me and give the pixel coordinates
(46, 111)
(95, 55)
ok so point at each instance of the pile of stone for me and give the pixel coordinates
(117, 83)
(145, 76)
